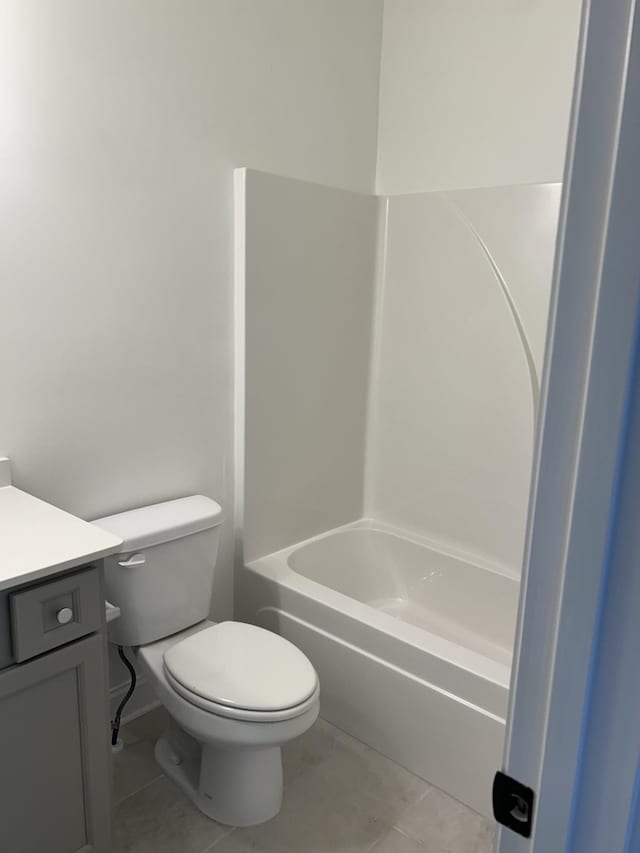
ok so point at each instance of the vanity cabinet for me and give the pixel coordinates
(54, 752)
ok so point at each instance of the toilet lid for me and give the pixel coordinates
(242, 666)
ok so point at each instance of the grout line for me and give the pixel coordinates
(137, 790)
(429, 791)
(383, 831)
(231, 830)
(405, 830)
(406, 833)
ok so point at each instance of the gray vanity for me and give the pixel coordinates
(54, 727)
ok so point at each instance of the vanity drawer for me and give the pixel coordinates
(55, 612)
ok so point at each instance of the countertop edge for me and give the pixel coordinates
(73, 541)
(21, 578)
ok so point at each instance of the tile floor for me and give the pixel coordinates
(339, 796)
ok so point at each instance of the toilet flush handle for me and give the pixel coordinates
(133, 560)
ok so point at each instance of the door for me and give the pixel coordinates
(570, 689)
(54, 772)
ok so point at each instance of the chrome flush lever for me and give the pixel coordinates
(133, 560)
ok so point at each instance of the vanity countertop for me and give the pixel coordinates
(38, 539)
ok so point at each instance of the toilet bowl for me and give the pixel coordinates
(234, 692)
(226, 757)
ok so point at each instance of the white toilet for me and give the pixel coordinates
(235, 692)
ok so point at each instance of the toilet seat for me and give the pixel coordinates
(242, 672)
(242, 714)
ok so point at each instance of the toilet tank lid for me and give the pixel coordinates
(153, 525)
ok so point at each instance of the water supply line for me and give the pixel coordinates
(115, 723)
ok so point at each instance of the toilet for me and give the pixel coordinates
(234, 692)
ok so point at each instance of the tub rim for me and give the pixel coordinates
(275, 567)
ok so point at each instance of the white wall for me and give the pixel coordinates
(308, 257)
(474, 94)
(462, 310)
(120, 125)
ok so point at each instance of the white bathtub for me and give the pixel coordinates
(412, 646)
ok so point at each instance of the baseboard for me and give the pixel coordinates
(142, 700)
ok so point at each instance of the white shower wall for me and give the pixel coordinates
(461, 317)
(398, 381)
(305, 257)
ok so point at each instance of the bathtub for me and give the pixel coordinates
(412, 646)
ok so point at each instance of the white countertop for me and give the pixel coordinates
(37, 539)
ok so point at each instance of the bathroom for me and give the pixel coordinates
(294, 257)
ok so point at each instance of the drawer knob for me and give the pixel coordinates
(64, 616)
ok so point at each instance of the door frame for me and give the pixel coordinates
(582, 443)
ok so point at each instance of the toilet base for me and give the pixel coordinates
(233, 786)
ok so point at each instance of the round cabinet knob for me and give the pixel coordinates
(64, 616)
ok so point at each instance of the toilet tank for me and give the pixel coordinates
(162, 577)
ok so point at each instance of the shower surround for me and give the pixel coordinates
(388, 354)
